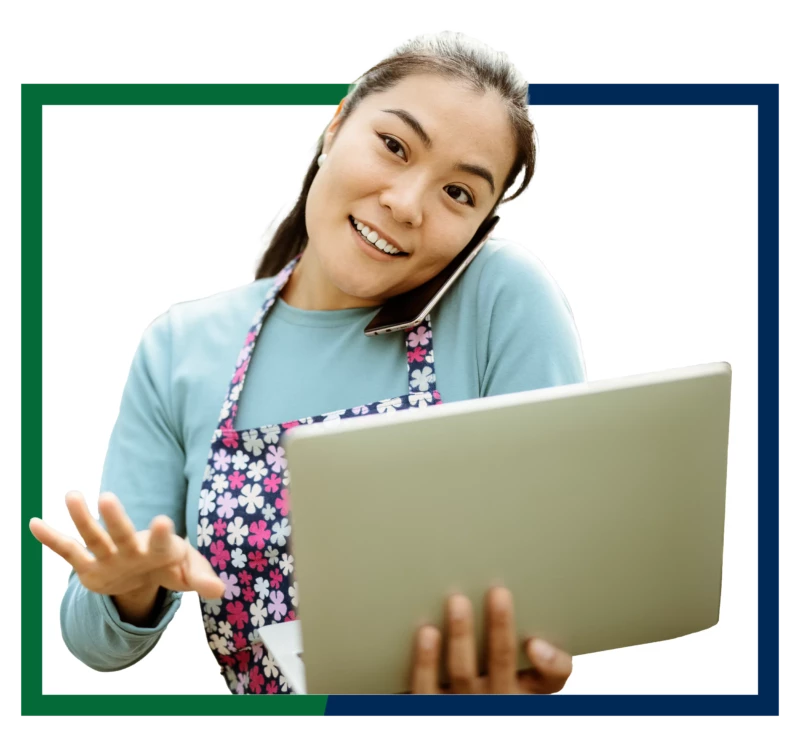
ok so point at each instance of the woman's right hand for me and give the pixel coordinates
(124, 563)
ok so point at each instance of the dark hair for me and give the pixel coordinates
(448, 54)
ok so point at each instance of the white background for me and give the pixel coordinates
(641, 213)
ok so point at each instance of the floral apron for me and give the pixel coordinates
(244, 528)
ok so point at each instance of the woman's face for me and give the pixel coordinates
(407, 182)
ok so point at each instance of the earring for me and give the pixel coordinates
(321, 158)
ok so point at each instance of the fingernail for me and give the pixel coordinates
(427, 638)
(459, 607)
(543, 651)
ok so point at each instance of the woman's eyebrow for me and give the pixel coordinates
(416, 126)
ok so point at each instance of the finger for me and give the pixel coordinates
(162, 544)
(70, 550)
(462, 661)
(501, 640)
(95, 537)
(201, 577)
(119, 525)
(553, 667)
(425, 672)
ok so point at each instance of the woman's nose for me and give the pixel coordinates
(405, 198)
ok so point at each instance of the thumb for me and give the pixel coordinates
(201, 577)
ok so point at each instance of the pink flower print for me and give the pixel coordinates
(219, 556)
(283, 503)
(219, 527)
(248, 594)
(226, 504)
(272, 484)
(251, 336)
(420, 336)
(272, 686)
(231, 589)
(257, 561)
(222, 460)
(237, 616)
(289, 425)
(417, 355)
(258, 651)
(245, 578)
(290, 617)
(362, 410)
(261, 534)
(240, 372)
(239, 641)
(230, 438)
(437, 396)
(275, 578)
(242, 680)
(243, 658)
(234, 410)
(236, 480)
(275, 458)
(276, 607)
(256, 680)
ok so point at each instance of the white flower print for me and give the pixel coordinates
(204, 530)
(220, 483)
(334, 416)
(236, 391)
(262, 587)
(307, 421)
(225, 629)
(271, 434)
(419, 336)
(268, 512)
(362, 410)
(429, 357)
(283, 683)
(286, 478)
(219, 644)
(280, 531)
(237, 530)
(252, 442)
(207, 504)
(269, 665)
(209, 623)
(238, 558)
(212, 606)
(240, 460)
(287, 564)
(275, 458)
(420, 399)
(243, 354)
(250, 498)
(208, 473)
(293, 593)
(226, 410)
(258, 612)
(231, 677)
(272, 555)
(389, 405)
(422, 378)
(257, 471)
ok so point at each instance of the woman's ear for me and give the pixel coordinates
(332, 128)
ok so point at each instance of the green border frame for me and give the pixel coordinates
(34, 98)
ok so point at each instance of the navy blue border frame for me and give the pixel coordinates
(765, 97)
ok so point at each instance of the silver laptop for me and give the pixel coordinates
(599, 505)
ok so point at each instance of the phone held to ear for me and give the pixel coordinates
(409, 309)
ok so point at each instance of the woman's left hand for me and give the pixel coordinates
(548, 675)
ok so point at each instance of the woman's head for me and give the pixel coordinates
(423, 149)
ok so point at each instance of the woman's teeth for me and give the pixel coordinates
(372, 238)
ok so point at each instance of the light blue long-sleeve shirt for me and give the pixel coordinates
(503, 327)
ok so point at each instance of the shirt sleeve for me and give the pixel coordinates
(531, 338)
(144, 468)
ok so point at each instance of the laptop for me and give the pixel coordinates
(600, 506)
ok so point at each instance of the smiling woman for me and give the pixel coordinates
(417, 157)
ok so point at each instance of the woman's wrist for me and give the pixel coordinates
(138, 607)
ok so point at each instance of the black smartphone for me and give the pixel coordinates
(409, 309)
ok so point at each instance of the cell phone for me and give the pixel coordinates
(409, 309)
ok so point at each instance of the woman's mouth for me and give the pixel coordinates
(370, 239)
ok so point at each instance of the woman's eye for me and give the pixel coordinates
(469, 201)
(395, 142)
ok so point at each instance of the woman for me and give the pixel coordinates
(420, 152)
